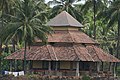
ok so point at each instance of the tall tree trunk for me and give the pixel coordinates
(25, 50)
(0, 55)
(26, 14)
(94, 18)
(13, 44)
(15, 61)
(1, 45)
(110, 63)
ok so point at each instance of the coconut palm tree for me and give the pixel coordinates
(65, 5)
(5, 7)
(112, 16)
(25, 25)
(95, 6)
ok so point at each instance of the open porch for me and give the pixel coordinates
(70, 68)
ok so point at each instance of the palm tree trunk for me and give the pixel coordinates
(25, 50)
(1, 47)
(118, 44)
(13, 44)
(94, 17)
(0, 55)
(26, 7)
(110, 63)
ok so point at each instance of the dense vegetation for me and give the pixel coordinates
(22, 20)
(38, 77)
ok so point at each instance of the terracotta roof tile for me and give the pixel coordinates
(65, 52)
(69, 36)
(92, 52)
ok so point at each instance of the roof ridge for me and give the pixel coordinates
(49, 51)
(54, 53)
(82, 54)
(70, 35)
(89, 54)
(96, 53)
(76, 53)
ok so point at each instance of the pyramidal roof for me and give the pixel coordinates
(64, 19)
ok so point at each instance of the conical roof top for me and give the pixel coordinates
(64, 19)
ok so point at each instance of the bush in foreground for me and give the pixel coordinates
(38, 77)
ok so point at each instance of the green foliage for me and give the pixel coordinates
(65, 5)
(38, 77)
(26, 24)
(85, 77)
(118, 71)
(6, 77)
(5, 63)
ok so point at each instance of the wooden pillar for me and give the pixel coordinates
(77, 69)
(56, 66)
(114, 69)
(110, 66)
(102, 66)
(49, 66)
(90, 68)
(30, 64)
(71, 65)
(98, 66)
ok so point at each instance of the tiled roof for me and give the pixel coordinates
(65, 52)
(67, 45)
(69, 36)
(64, 19)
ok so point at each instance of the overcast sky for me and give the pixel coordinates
(51, 0)
(48, 0)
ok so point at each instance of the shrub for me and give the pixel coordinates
(6, 77)
(118, 71)
(85, 77)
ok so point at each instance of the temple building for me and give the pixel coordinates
(69, 51)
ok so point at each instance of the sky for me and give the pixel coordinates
(47, 0)
(51, 0)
